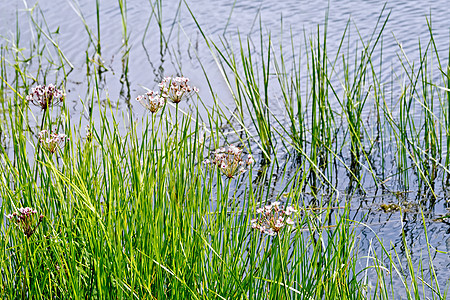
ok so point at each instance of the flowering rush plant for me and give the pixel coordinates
(230, 161)
(170, 89)
(45, 96)
(175, 88)
(152, 101)
(24, 219)
(273, 218)
(52, 141)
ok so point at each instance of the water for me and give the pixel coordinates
(221, 19)
(148, 63)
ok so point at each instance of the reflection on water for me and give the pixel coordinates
(149, 59)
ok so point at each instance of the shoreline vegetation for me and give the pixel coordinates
(208, 201)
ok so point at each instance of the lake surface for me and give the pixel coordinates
(148, 63)
(223, 18)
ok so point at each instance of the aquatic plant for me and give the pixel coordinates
(152, 101)
(25, 220)
(230, 161)
(175, 88)
(52, 141)
(273, 218)
(45, 96)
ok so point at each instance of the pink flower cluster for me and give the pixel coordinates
(24, 219)
(174, 88)
(273, 218)
(152, 101)
(52, 141)
(229, 161)
(171, 88)
(45, 96)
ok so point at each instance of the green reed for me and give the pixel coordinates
(245, 89)
(123, 219)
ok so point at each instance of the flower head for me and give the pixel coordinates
(152, 101)
(24, 219)
(229, 161)
(89, 134)
(273, 218)
(45, 96)
(175, 88)
(52, 141)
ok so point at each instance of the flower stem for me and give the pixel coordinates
(287, 295)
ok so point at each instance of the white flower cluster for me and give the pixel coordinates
(45, 96)
(229, 161)
(24, 212)
(24, 220)
(171, 88)
(152, 101)
(174, 88)
(52, 141)
(273, 218)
